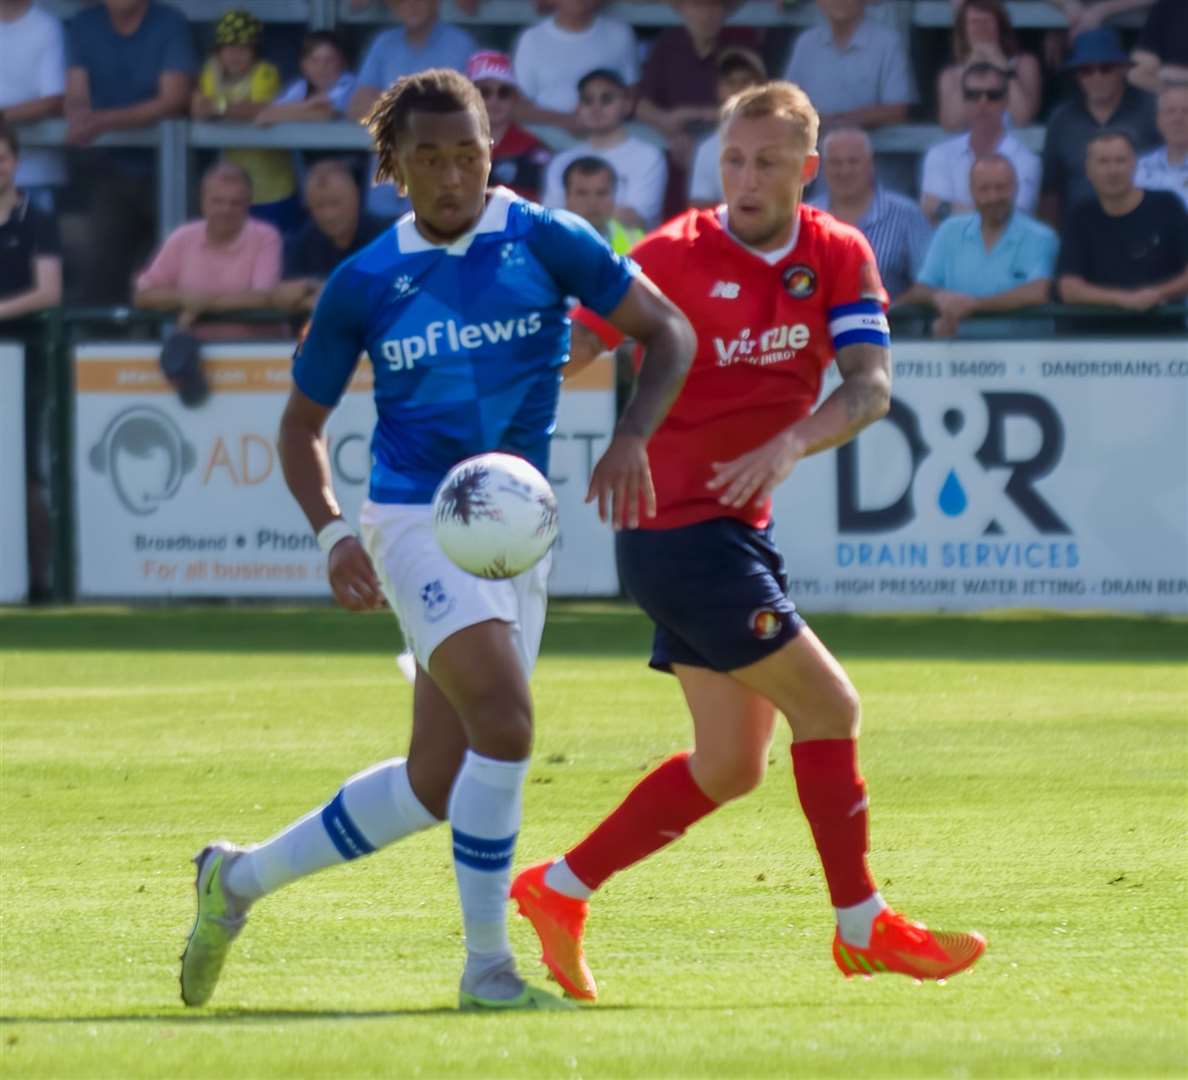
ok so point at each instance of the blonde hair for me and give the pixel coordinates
(782, 99)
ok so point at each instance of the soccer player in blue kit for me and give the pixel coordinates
(462, 308)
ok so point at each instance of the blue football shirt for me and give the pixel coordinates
(466, 340)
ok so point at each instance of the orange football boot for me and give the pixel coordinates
(558, 921)
(908, 948)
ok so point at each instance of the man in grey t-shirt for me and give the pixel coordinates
(855, 69)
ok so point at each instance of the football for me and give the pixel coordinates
(495, 515)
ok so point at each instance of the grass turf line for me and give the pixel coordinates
(1027, 777)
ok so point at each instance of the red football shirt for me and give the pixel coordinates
(766, 332)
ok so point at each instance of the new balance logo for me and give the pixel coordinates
(725, 290)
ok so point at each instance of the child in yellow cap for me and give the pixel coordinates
(236, 84)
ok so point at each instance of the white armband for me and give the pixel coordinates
(332, 533)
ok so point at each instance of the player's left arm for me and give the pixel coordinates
(863, 397)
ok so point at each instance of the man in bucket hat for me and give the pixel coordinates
(1103, 100)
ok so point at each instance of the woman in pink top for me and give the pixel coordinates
(225, 262)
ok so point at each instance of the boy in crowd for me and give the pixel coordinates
(605, 103)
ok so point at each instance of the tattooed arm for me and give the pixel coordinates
(863, 397)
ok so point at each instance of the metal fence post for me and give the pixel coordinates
(173, 176)
(56, 343)
(322, 14)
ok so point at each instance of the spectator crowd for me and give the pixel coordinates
(588, 114)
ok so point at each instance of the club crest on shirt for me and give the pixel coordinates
(437, 602)
(765, 623)
(800, 281)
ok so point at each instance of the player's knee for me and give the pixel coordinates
(846, 713)
(729, 778)
(499, 725)
(747, 775)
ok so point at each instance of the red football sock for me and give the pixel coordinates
(833, 797)
(656, 812)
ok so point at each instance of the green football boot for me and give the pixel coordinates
(218, 922)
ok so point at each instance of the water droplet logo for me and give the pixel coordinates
(952, 500)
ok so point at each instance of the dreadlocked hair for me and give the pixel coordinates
(435, 90)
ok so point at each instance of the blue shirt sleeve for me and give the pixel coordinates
(919, 237)
(463, 47)
(371, 72)
(177, 53)
(933, 271)
(326, 357)
(581, 262)
(77, 41)
(1044, 249)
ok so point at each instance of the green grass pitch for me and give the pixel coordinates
(1028, 777)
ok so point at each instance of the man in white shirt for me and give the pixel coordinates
(32, 81)
(553, 55)
(603, 106)
(944, 187)
(1166, 169)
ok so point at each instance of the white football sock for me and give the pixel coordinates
(560, 878)
(855, 922)
(485, 810)
(372, 809)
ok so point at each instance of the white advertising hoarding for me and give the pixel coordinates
(178, 502)
(1008, 474)
(14, 561)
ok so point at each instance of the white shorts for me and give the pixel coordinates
(433, 598)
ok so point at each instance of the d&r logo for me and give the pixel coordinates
(957, 467)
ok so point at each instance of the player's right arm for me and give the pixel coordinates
(861, 339)
(322, 368)
(622, 477)
(626, 303)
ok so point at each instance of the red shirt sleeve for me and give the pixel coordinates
(857, 273)
(649, 253)
(609, 334)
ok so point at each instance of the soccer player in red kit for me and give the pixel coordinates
(776, 291)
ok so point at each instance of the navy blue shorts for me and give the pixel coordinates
(716, 591)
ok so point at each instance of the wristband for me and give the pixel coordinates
(332, 533)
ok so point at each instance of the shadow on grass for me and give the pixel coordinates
(264, 1016)
(593, 629)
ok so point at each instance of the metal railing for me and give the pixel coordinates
(172, 141)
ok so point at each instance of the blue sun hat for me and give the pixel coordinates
(1101, 46)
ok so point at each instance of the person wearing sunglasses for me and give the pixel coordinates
(982, 31)
(604, 103)
(944, 186)
(1102, 100)
(518, 158)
